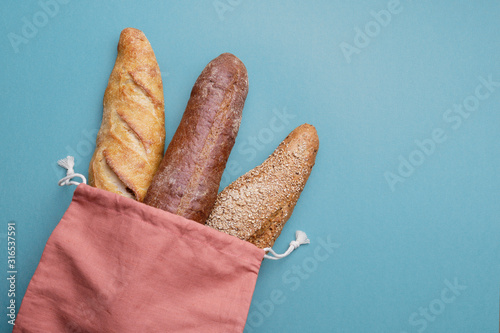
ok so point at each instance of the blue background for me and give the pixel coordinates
(395, 250)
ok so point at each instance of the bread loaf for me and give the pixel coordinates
(256, 206)
(188, 178)
(131, 139)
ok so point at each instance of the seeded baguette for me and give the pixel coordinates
(188, 178)
(131, 139)
(256, 206)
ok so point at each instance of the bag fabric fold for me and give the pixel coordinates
(113, 264)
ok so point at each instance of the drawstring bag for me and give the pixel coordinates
(113, 264)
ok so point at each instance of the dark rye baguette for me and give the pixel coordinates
(256, 206)
(188, 178)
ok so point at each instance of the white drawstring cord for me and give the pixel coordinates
(68, 163)
(300, 239)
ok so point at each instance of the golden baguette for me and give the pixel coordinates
(131, 139)
(256, 206)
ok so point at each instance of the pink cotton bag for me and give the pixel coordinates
(113, 264)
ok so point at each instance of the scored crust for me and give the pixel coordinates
(131, 139)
